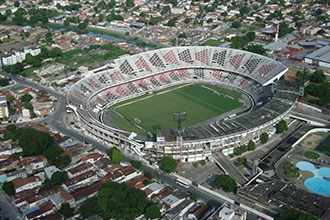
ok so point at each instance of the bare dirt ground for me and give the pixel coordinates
(312, 140)
(290, 75)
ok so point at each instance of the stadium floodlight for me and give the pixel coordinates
(179, 117)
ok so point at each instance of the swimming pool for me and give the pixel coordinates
(316, 184)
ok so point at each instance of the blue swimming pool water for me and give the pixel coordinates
(316, 184)
(307, 166)
(325, 172)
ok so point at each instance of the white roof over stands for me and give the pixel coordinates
(139, 73)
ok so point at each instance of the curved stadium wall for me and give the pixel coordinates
(131, 76)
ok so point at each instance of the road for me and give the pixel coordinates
(230, 168)
(8, 210)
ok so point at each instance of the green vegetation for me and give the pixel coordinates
(226, 182)
(318, 90)
(89, 208)
(241, 161)
(66, 210)
(136, 164)
(290, 214)
(8, 187)
(281, 127)
(290, 171)
(152, 212)
(4, 82)
(251, 145)
(264, 138)
(156, 112)
(240, 150)
(212, 42)
(34, 142)
(311, 155)
(324, 146)
(59, 177)
(117, 201)
(115, 155)
(168, 164)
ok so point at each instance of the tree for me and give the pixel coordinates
(36, 62)
(11, 127)
(168, 164)
(33, 142)
(318, 76)
(264, 138)
(26, 98)
(66, 210)
(225, 182)
(16, 4)
(281, 127)
(115, 155)
(236, 24)
(59, 177)
(130, 3)
(53, 152)
(256, 49)
(4, 82)
(152, 212)
(88, 208)
(171, 22)
(136, 164)
(8, 187)
(290, 214)
(55, 52)
(251, 145)
(61, 161)
(251, 35)
(117, 201)
(3, 17)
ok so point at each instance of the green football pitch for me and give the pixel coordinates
(155, 111)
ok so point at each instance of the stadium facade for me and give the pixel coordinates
(131, 76)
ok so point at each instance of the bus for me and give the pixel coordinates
(183, 182)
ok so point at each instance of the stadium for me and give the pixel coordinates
(131, 79)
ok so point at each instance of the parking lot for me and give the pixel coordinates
(201, 174)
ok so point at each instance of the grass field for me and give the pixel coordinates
(324, 146)
(155, 111)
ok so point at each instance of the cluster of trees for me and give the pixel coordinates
(32, 17)
(289, 214)
(242, 149)
(243, 41)
(319, 88)
(225, 182)
(34, 142)
(4, 82)
(26, 101)
(117, 201)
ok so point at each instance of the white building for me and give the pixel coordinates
(21, 184)
(19, 56)
(4, 111)
(61, 2)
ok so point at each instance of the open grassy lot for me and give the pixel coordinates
(324, 146)
(155, 111)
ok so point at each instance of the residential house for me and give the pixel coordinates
(82, 180)
(87, 192)
(21, 184)
(80, 169)
(49, 171)
(44, 209)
